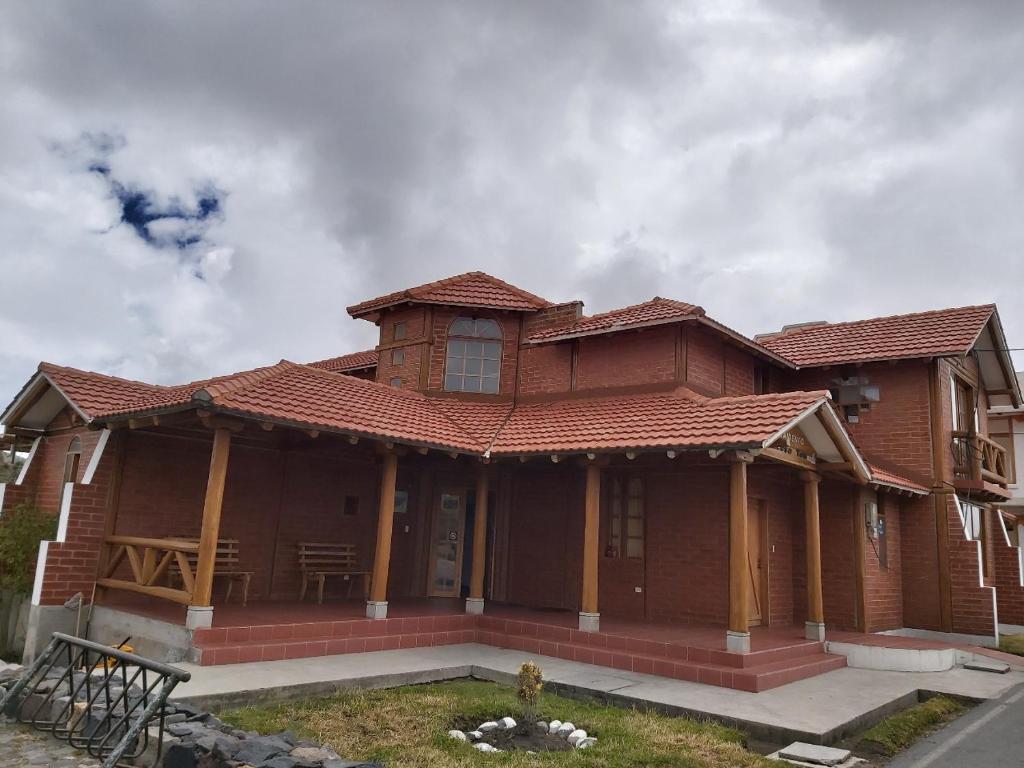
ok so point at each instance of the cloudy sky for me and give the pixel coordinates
(192, 188)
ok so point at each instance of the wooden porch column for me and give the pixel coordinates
(475, 601)
(200, 611)
(377, 605)
(590, 619)
(737, 639)
(815, 626)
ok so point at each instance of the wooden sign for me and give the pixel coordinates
(795, 442)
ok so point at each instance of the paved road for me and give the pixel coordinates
(989, 736)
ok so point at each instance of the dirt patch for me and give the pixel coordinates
(526, 737)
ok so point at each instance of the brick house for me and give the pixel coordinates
(644, 488)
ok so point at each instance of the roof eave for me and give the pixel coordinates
(611, 329)
(366, 314)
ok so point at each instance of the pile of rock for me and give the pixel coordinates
(575, 737)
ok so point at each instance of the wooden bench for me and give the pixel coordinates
(319, 561)
(227, 565)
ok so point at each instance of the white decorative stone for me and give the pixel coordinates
(475, 735)
(506, 723)
(585, 743)
(554, 725)
(483, 746)
(541, 726)
(565, 729)
(457, 735)
(576, 736)
(490, 725)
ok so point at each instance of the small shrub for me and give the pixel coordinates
(20, 533)
(530, 682)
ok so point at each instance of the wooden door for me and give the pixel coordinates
(446, 540)
(757, 562)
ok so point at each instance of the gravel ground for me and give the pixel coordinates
(21, 746)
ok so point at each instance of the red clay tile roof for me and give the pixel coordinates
(657, 310)
(669, 420)
(881, 476)
(924, 334)
(353, 361)
(95, 393)
(472, 289)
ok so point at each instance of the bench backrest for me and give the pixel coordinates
(227, 554)
(316, 556)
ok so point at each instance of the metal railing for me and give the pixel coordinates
(103, 700)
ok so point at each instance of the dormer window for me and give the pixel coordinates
(473, 356)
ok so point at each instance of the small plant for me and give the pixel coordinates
(20, 534)
(530, 682)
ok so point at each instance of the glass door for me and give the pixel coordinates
(446, 545)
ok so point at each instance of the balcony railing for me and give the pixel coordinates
(979, 459)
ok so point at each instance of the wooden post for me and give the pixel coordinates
(377, 607)
(812, 525)
(475, 601)
(201, 611)
(737, 639)
(589, 616)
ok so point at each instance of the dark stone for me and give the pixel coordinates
(286, 761)
(256, 751)
(218, 744)
(180, 756)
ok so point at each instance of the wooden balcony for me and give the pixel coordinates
(980, 468)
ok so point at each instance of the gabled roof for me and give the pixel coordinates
(922, 334)
(653, 312)
(471, 289)
(354, 361)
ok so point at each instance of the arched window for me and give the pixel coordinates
(473, 356)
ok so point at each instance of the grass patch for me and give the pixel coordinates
(896, 733)
(1012, 644)
(405, 727)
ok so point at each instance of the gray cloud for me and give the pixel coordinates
(771, 161)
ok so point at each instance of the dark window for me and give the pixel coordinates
(396, 382)
(71, 463)
(473, 356)
(398, 331)
(625, 518)
(397, 356)
(761, 381)
(351, 505)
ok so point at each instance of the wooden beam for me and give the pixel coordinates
(385, 525)
(782, 457)
(591, 544)
(812, 528)
(739, 617)
(210, 531)
(833, 466)
(215, 421)
(940, 472)
(476, 582)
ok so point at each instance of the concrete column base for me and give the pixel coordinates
(737, 642)
(814, 630)
(475, 605)
(199, 617)
(376, 610)
(590, 622)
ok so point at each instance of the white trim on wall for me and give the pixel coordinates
(28, 462)
(65, 512)
(3, 489)
(97, 454)
(37, 587)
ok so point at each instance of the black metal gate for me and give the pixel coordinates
(103, 700)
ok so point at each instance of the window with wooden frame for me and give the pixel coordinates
(624, 517)
(72, 460)
(398, 357)
(473, 356)
(398, 331)
(762, 380)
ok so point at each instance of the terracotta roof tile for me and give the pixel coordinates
(472, 289)
(885, 477)
(354, 361)
(924, 334)
(649, 312)
(649, 421)
(96, 393)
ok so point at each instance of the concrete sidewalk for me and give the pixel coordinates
(821, 709)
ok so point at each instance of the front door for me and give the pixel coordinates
(757, 563)
(446, 544)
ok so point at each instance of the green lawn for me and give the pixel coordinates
(896, 733)
(1012, 644)
(408, 727)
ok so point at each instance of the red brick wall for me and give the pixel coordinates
(883, 586)
(739, 373)
(554, 317)
(919, 560)
(1006, 559)
(896, 431)
(838, 557)
(973, 605)
(545, 369)
(415, 319)
(625, 359)
(705, 367)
